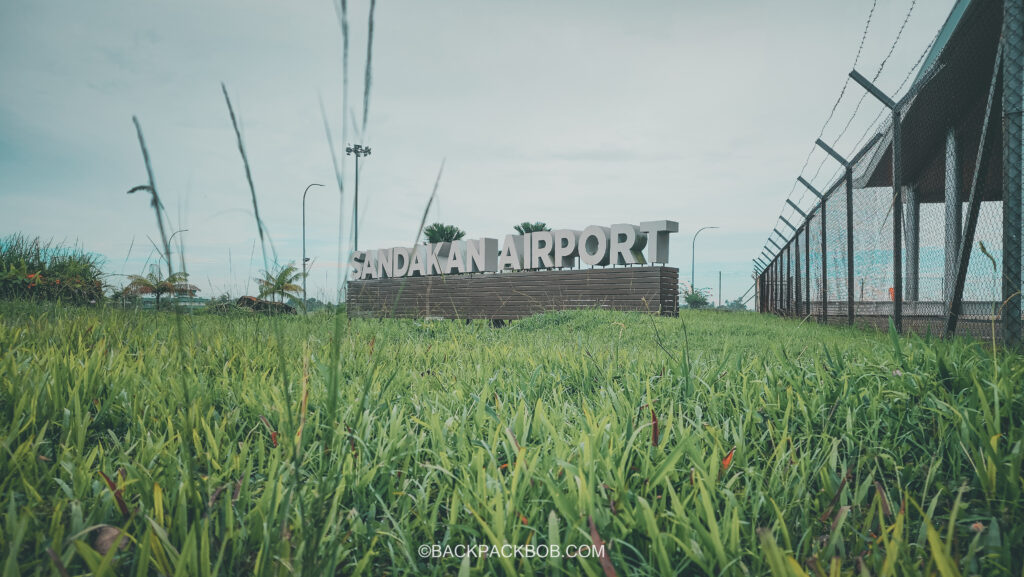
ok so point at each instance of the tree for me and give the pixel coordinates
(224, 298)
(438, 232)
(157, 285)
(736, 305)
(283, 283)
(312, 304)
(528, 227)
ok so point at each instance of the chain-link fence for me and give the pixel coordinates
(922, 227)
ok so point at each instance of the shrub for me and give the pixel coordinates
(696, 299)
(44, 270)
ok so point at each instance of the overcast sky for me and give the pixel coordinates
(569, 112)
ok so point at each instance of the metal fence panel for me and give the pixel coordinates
(937, 190)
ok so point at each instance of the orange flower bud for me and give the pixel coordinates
(727, 461)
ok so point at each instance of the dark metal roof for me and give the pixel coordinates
(951, 91)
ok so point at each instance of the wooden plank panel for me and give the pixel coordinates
(517, 294)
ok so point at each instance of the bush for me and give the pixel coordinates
(696, 299)
(44, 270)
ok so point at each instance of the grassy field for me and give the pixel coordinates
(137, 444)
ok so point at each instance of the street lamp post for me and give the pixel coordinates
(169, 239)
(357, 150)
(304, 259)
(693, 255)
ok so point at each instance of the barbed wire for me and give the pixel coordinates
(899, 34)
(874, 123)
(842, 91)
(846, 82)
(878, 73)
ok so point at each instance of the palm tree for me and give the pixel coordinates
(154, 284)
(438, 232)
(528, 227)
(283, 283)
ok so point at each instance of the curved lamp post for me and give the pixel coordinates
(304, 259)
(693, 254)
(174, 233)
(169, 239)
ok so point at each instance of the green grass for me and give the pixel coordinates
(855, 453)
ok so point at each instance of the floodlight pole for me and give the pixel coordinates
(693, 255)
(897, 197)
(357, 150)
(304, 259)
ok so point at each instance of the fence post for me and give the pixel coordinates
(824, 247)
(796, 266)
(963, 258)
(796, 275)
(767, 294)
(849, 226)
(778, 283)
(807, 264)
(953, 213)
(775, 286)
(789, 277)
(897, 222)
(757, 286)
(757, 290)
(759, 299)
(912, 242)
(850, 255)
(760, 292)
(824, 264)
(1013, 86)
(897, 197)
